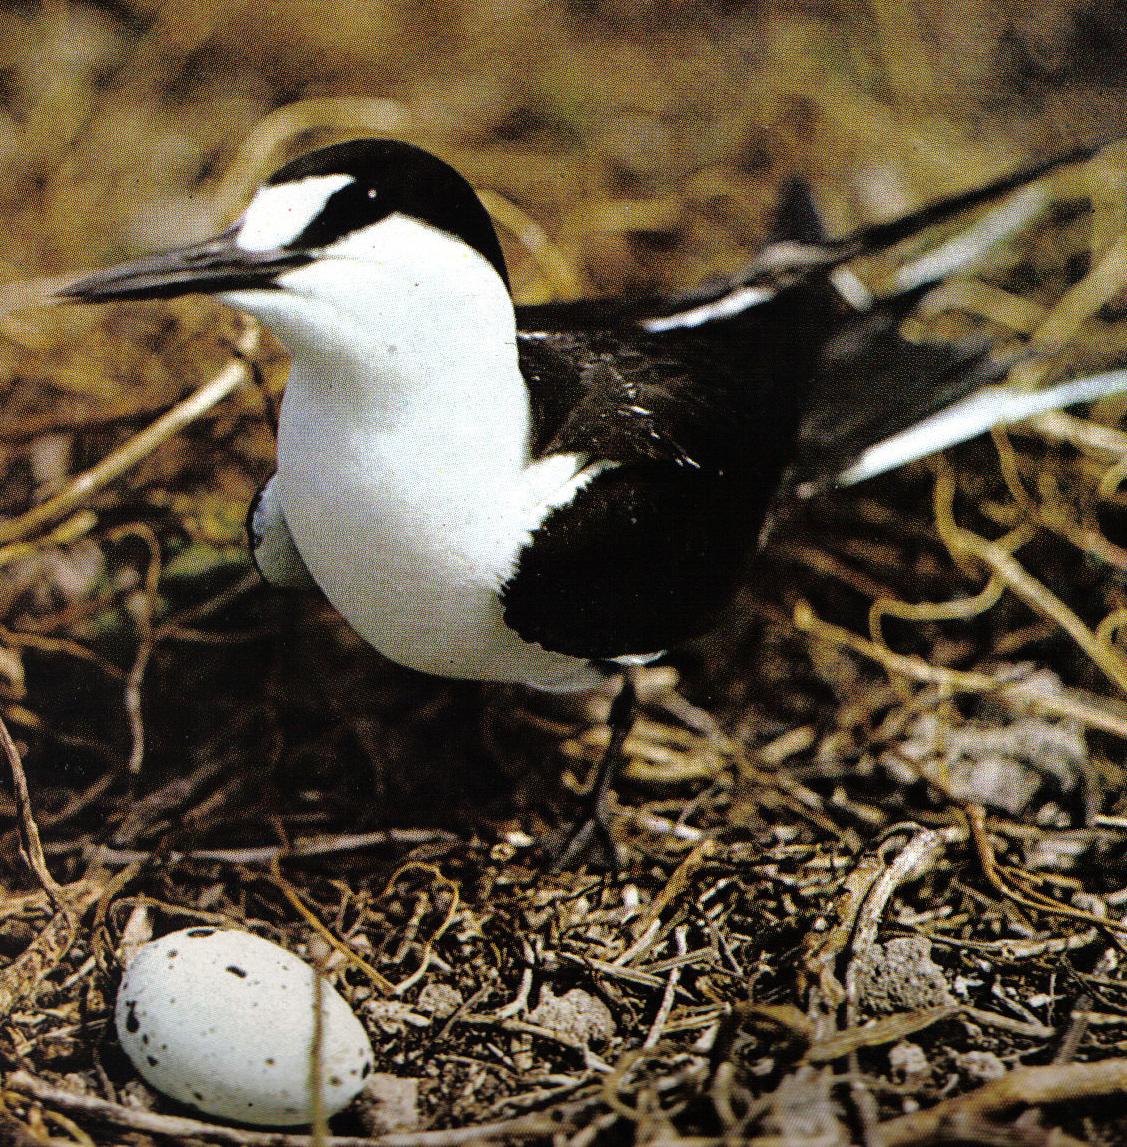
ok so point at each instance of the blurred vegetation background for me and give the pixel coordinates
(127, 125)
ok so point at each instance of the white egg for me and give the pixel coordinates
(224, 1021)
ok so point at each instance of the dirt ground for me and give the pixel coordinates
(874, 828)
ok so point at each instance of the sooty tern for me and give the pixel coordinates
(553, 493)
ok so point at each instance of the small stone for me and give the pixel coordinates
(1002, 766)
(901, 976)
(980, 1066)
(389, 1103)
(909, 1063)
(134, 1094)
(576, 1016)
(439, 1000)
(393, 1017)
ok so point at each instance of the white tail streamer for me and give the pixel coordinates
(992, 406)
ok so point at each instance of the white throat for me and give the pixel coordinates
(403, 448)
(396, 320)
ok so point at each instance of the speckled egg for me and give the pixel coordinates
(224, 1021)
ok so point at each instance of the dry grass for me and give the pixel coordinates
(876, 824)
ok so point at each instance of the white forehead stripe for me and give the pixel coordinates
(278, 215)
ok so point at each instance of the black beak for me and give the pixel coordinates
(213, 266)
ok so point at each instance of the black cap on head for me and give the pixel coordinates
(389, 176)
(384, 177)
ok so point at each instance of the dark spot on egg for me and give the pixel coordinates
(335, 1081)
(269, 1061)
(197, 932)
(152, 1060)
(235, 970)
(132, 1023)
(173, 953)
(197, 1096)
(367, 1069)
(145, 1038)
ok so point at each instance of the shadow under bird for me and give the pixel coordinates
(553, 494)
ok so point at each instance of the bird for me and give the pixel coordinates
(557, 494)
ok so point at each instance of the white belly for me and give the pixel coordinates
(413, 553)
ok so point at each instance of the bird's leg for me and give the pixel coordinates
(588, 839)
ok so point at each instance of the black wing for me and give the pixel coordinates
(699, 428)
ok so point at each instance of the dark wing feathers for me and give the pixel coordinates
(633, 565)
(796, 221)
(699, 427)
(557, 381)
(797, 218)
(621, 397)
(635, 562)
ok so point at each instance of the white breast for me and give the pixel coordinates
(415, 560)
(403, 468)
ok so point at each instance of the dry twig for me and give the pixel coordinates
(966, 1117)
(181, 1127)
(83, 486)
